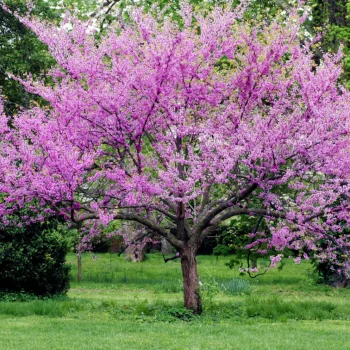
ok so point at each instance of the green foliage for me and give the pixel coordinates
(234, 234)
(235, 286)
(210, 289)
(22, 53)
(233, 237)
(181, 313)
(332, 19)
(106, 242)
(21, 296)
(32, 259)
(145, 311)
(223, 250)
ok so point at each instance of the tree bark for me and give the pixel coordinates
(80, 269)
(192, 296)
(342, 279)
(166, 247)
(135, 252)
(254, 262)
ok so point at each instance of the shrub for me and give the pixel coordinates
(32, 259)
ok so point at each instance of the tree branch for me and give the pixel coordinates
(223, 206)
(239, 211)
(154, 207)
(107, 3)
(205, 197)
(153, 226)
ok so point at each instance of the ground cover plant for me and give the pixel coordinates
(122, 305)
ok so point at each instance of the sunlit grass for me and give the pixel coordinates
(123, 305)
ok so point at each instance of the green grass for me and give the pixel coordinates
(40, 333)
(123, 305)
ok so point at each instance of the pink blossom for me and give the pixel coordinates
(145, 124)
(275, 259)
(297, 260)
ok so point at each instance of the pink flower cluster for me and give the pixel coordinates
(182, 127)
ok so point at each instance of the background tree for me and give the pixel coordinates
(179, 127)
(22, 53)
(331, 18)
(235, 236)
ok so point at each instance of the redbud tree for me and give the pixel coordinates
(179, 126)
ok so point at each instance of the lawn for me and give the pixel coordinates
(123, 305)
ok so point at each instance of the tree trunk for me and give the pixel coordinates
(80, 269)
(134, 252)
(254, 262)
(342, 279)
(166, 247)
(192, 296)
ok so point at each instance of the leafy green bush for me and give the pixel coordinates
(32, 259)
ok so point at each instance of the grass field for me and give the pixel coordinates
(122, 305)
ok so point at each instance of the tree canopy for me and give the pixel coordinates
(180, 125)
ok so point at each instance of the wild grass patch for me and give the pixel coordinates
(235, 286)
(151, 291)
(279, 308)
(50, 308)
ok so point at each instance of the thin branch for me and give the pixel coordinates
(178, 244)
(133, 242)
(108, 3)
(171, 258)
(154, 207)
